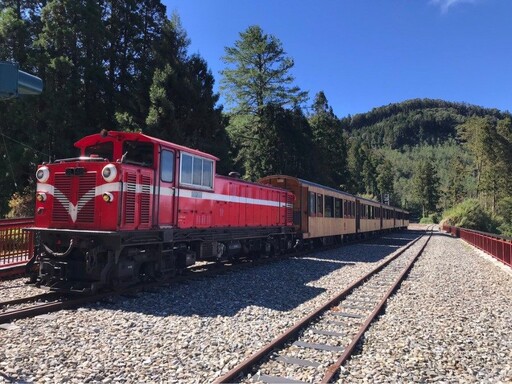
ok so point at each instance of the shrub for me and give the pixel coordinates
(470, 215)
(22, 204)
(433, 218)
(504, 215)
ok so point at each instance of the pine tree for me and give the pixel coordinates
(330, 145)
(426, 186)
(259, 74)
(257, 82)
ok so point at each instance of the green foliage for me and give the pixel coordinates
(125, 65)
(413, 122)
(104, 65)
(330, 147)
(405, 163)
(430, 219)
(426, 184)
(267, 138)
(258, 74)
(470, 215)
(490, 143)
(504, 216)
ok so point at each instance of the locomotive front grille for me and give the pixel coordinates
(62, 195)
(87, 202)
(74, 197)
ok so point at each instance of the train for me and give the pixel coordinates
(133, 208)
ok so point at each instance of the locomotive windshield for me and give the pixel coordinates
(140, 153)
(102, 150)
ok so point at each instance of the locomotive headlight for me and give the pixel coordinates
(41, 196)
(43, 174)
(109, 172)
(108, 197)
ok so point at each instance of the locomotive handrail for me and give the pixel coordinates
(499, 247)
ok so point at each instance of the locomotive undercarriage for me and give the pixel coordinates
(89, 261)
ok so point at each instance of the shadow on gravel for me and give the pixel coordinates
(279, 286)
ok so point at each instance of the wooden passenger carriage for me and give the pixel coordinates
(320, 212)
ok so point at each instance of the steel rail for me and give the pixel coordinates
(29, 299)
(246, 365)
(332, 370)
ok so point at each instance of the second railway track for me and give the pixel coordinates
(47, 302)
(331, 332)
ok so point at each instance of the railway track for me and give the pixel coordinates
(30, 306)
(331, 332)
(53, 301)
(48, 296)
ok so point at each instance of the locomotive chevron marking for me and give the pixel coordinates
(71, 208)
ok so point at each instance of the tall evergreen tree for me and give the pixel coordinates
(183, 107)
(426, 186)
(330, 145)
(385, 180)
(257, 76)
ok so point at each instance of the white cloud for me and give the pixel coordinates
(445, 5)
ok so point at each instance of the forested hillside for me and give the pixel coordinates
(126, 66)
(414, 122)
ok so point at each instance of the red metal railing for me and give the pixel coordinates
(16, 245)
(497, 246)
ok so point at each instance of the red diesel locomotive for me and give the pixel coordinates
(132, 208)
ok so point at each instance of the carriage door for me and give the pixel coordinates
(303, 214)
(166, 195)
(358, 216)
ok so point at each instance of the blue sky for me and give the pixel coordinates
(368, 53)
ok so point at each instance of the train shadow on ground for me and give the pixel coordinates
(280, 286)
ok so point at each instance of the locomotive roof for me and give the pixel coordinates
(135, 136)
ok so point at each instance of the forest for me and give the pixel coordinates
(126, 66)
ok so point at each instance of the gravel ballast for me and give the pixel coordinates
(449, 322)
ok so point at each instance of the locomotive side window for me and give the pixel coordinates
(196, 171)
(103, 150)
(167, 166)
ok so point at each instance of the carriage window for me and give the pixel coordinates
(103, 150)
(337, 208)
(196, 171)
(320, 204)
(167, 166)
(329, 206)
(312, 204)
(138, 153)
